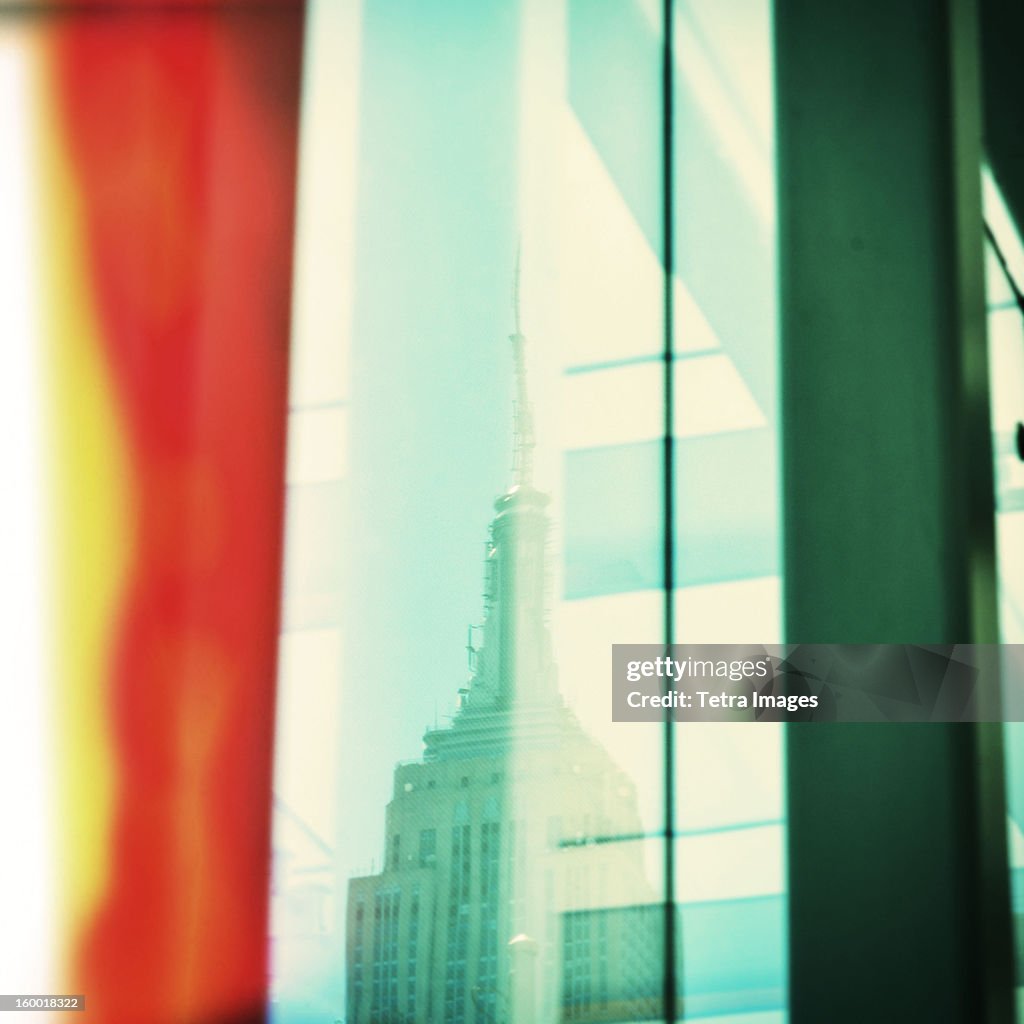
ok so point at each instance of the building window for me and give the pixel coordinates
(428, 847)
(413, 948)
(458, 925)
(387, 906)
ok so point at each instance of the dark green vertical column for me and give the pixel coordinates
(897, 863)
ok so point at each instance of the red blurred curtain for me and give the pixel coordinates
(170, 205)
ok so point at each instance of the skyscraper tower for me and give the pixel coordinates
(491, 837)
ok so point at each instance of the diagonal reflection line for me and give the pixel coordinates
(685, 833)
(1018, 296)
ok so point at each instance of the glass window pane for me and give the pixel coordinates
(476, 513)
(728, 779)
(1006, 377)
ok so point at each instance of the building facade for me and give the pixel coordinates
(507, 833)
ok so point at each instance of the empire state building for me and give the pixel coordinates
(506, 894)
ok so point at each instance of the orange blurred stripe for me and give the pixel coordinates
(171, 180)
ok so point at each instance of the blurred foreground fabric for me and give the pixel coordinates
(167, 139)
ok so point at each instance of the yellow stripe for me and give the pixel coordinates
(91, 524)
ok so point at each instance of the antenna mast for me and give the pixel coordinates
(522, 413)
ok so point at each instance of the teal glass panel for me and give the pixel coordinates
(729, 802)
(1004, 272)
(476, 512)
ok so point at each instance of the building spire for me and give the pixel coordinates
(513, 664)
(515, 286)
(522, 412)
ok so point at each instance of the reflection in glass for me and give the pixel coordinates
(1004, 272)
(520, 873)
(526, 829)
